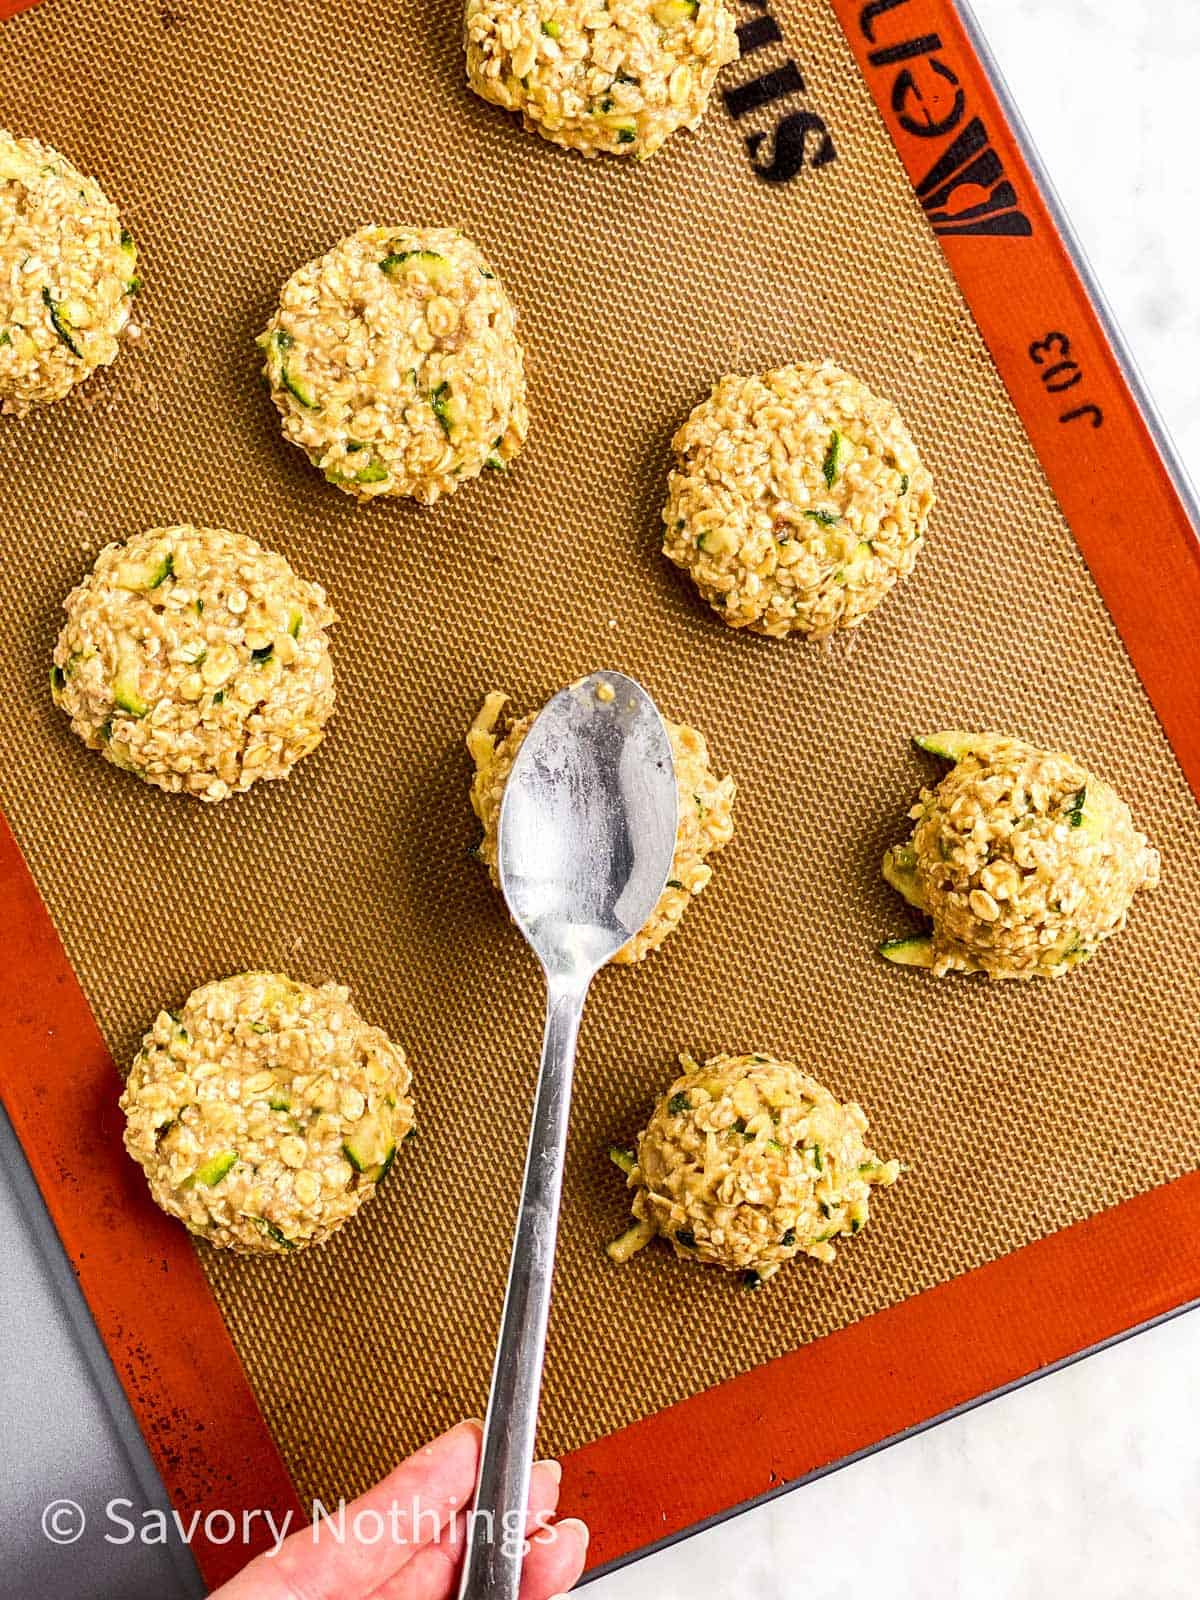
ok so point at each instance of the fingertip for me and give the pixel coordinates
(455, 1452)
(580, 1528)
(543, 1498)
(470, 1428)
(556, 1566)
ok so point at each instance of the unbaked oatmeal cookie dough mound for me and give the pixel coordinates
(197, 660)
(747, 1162)
(705, 813)
(797, 500)
(68, 274)
(1024, 861)
(394, 363)
(620, 77)
(266, 1111)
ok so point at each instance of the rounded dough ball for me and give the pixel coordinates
(620, 78)
(1025, 862)
(705, 814)
(266, 1111)
(394, 363)
(797, 500)
(68, 274)
(197, 660)
(747, 1162)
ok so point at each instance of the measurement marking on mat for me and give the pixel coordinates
(1061, 373)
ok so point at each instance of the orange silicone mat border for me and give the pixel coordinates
(869, 1383)
(921, 61)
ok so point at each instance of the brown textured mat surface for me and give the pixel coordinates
(241, 140)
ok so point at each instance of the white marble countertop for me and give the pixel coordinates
(1088, 1481)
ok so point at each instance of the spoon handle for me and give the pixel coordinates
(496, 1530)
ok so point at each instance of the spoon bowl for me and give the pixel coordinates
(588, 821)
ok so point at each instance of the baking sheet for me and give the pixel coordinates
(239, 145)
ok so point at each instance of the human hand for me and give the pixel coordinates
(412, 1532)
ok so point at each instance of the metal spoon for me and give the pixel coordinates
(587, 833)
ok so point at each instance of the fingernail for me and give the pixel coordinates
(554, 1468)
(472, 1422)
(574, 1522)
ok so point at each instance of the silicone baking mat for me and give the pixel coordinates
(857, 192)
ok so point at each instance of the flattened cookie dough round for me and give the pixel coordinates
(797, 500)
(1024, 860)
(705, 813)
(394, 363)
(619, 78)
(197, 660)
(747, 1162)
(266, 1111)
(68, 274)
